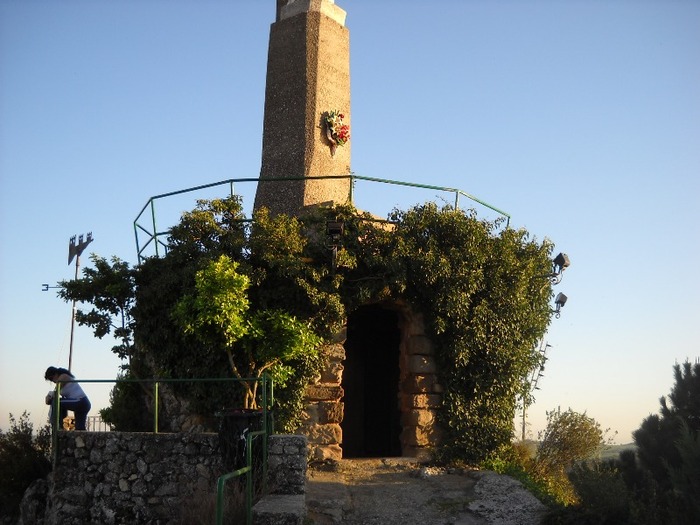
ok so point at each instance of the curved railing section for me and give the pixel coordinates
(149, 237)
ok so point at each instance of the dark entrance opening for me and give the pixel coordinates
(371, 416)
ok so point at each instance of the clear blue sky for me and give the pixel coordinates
(581, 119)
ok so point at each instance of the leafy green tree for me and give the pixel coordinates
(279, 294)
(685, 479)
(659, 483)
(24, 457)
(264, 341)
(109, 288)
(665, 477)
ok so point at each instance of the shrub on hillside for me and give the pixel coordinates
(24, 457)
(569, 437)
(659, 484)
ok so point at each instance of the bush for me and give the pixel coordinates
(129, 406)
(570, 437)
(24, 457)
(685, 479)
(661, 483)
(657, 436)
(517, 461)
(602, 491)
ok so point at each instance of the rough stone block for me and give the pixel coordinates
(310, 414)
(423, 400)
(420, 383)
(325, 434)
(326, 452)
(333, 373)
(420, 345)
(418, 418)
(324, 392)
(330, 412)
(421, 364)
(280, 509)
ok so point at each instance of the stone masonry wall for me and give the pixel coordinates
(120, 478)
(420, 392)
(130, 478)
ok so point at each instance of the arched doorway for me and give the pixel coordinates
(371, 413)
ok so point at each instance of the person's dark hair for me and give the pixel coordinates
(52, 371)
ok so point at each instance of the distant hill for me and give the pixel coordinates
(609, 452)
(613, 451)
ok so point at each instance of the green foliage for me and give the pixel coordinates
(601, 491)
(24, 457)
(221, 288)
(669, 452)
(569, 437)
(109, 288)
(685, 478)
(486, 302)
(662, 484)
(217, 314)
(130, 406)
(482, 290)
(517, 461)
(657, 436)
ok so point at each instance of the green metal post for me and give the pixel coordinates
(249, 480)
(220, 484)
(155, 401)
(56, 403)
(266, 431)
(153, 219)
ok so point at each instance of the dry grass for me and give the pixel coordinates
(200, 509)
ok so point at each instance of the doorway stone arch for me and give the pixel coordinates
(409, 395)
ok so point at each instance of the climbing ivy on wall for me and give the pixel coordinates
(486, 301)
(485, 297)
(481, 288)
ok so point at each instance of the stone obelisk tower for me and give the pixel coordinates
(308, 75)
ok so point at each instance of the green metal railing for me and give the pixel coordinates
(153, 235)
(267, 395)
(248, 472)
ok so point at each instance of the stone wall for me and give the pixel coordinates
(420, 392)
(120, 478)
(286, 461)
(324, 409)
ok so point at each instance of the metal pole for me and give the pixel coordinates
(72, 319)
(75, 250)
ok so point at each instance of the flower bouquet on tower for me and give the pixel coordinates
(337, 132)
